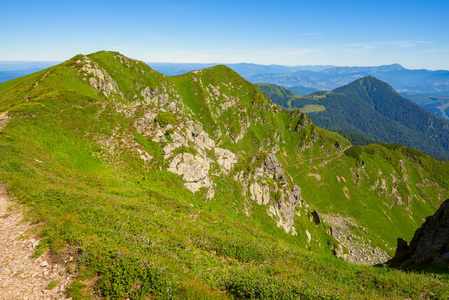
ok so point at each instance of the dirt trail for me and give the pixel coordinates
(21, 276)
(331, 157)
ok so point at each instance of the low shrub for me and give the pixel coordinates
(165, 118)
(354, 151)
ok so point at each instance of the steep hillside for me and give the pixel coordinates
(438, 105)
(277, 94)
(198, 186)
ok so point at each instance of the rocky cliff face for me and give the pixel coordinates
(430, 244)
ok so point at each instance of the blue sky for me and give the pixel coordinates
(414, 34)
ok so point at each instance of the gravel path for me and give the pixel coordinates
(21, 276)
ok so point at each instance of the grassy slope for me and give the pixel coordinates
(143, 233)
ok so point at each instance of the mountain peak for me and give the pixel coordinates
(364, 85)
(390, 68)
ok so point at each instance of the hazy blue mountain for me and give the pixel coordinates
(302, 90)
(171, 69)
(244, 69)
(401, 79)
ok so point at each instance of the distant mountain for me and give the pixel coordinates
(438, 105)
(244, 69)
(302, 90)
(401, 79)
(370, 107)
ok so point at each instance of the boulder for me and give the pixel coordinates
(316, 217)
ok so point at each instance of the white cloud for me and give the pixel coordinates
(404, 44)
(358, 47)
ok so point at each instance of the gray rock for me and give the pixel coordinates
(193, 168)
(316, 217)
(430, 244)
(225, 158)
(194, 171)
(273, 168)
(260, 193)
(154, 92)
(303, 122)
(360, 250)
(44, 264)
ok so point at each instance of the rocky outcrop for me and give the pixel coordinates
(3, 119)
(430, 244)
(270, 187)
(260, 193)
(273, 168)
(283, 209)
(225, 158)
(194, 170)
(99, 78)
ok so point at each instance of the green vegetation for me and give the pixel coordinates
(354, 138)
(69, 155)
(439, 105)
(312, 108)
(302, 90)
(165, 118)
(52, 284)
(277, 94)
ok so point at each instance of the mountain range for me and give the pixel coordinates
(198, 186)
(401, 79)
(244, 69)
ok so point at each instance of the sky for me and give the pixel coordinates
(412, 33)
